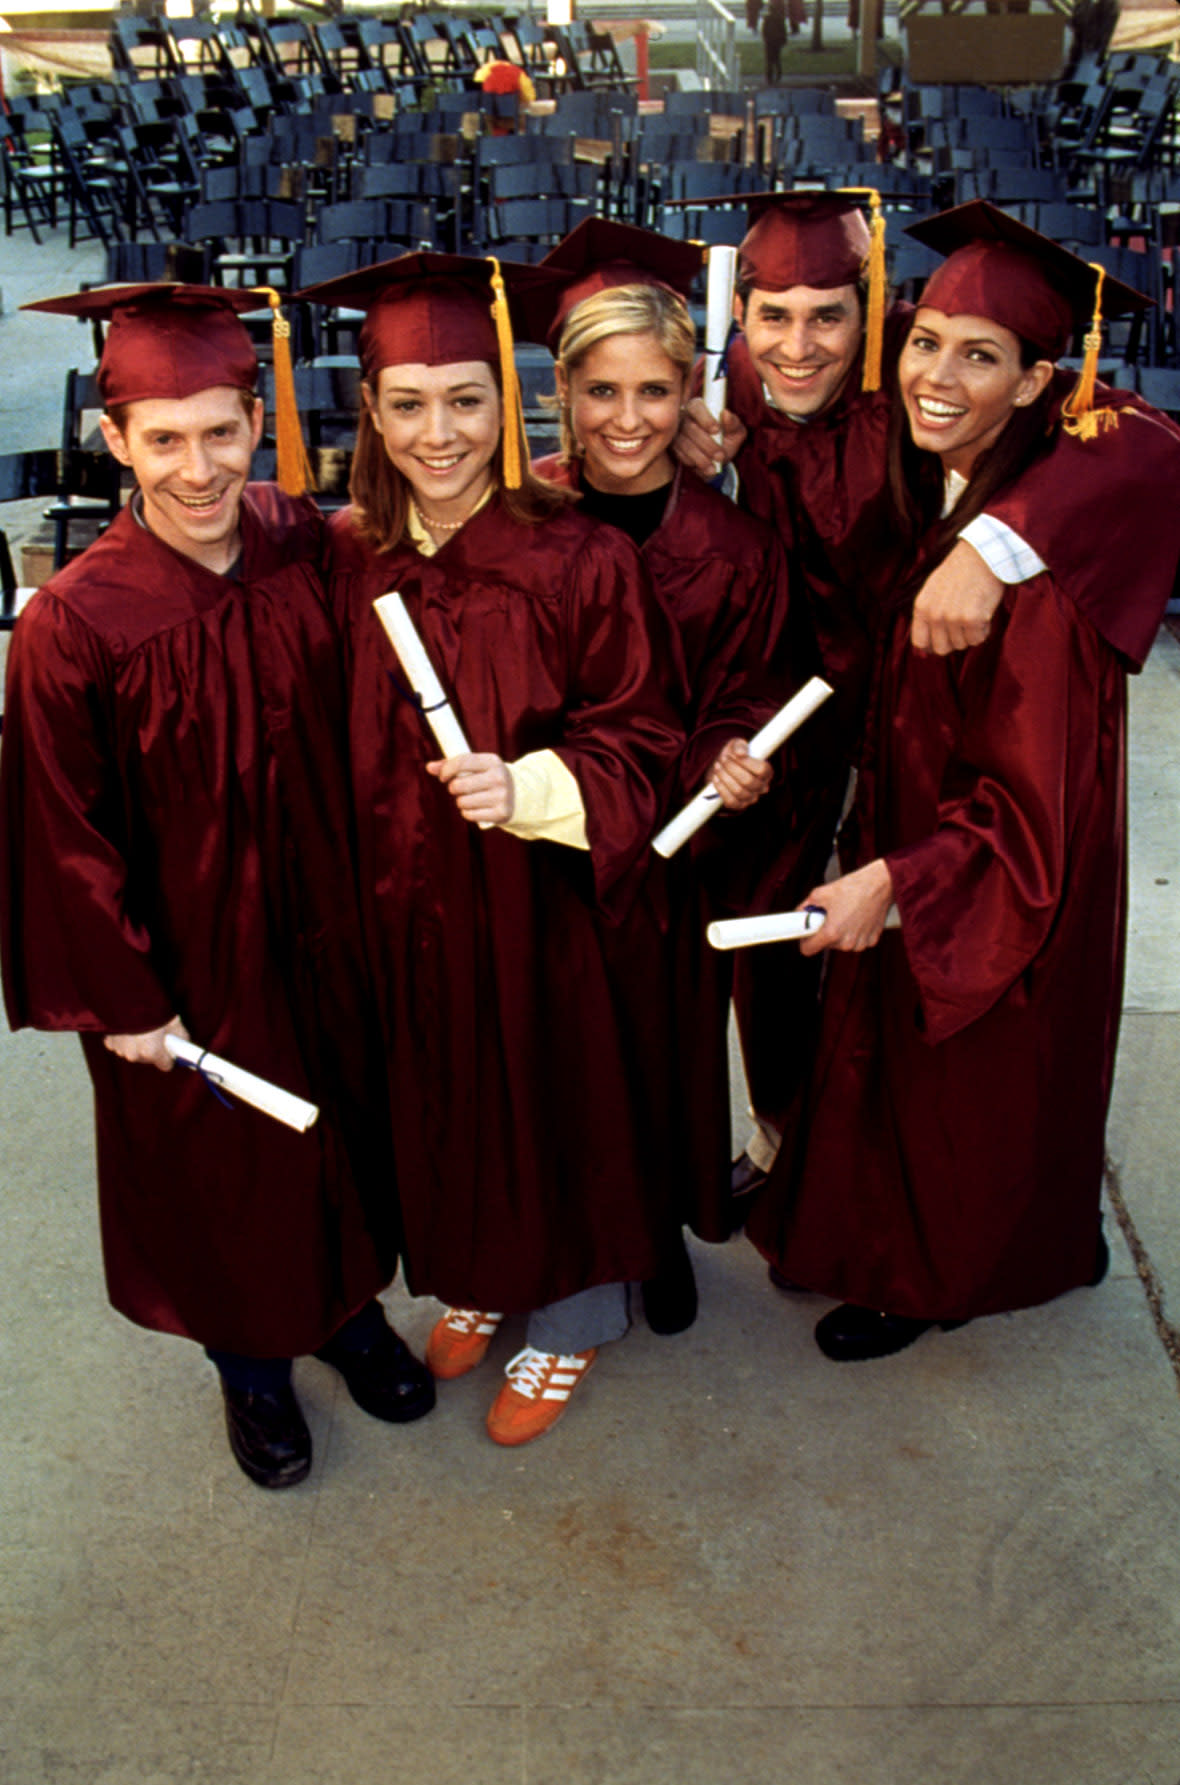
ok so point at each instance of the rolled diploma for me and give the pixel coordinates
(718, 316)
(419, 672)
(776, 731)
(777, 926)
(259, 1093)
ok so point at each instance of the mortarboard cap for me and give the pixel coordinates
(169, 341)
(602, 256)
(427, 309)
(998, 267)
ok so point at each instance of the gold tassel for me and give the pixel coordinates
(516, 446)
(293, 472)
(1078, 414)
(875, 302)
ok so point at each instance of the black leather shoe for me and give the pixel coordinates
(386, 1379)
(670, 1297)
(854, 1335)
(268, 1436)
(1101, 1262)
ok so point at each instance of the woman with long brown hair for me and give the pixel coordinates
(523, 1145)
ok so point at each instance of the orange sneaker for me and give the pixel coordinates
(459, 1341)
(536, 1392)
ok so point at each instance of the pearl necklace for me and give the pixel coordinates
(440, 526)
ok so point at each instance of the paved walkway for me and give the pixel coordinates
(734, 1564)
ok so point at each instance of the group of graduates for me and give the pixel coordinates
(224, 816)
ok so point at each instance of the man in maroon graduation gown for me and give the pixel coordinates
(808, 419)
(177, 858)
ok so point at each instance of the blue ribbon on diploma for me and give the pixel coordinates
(207, 1078)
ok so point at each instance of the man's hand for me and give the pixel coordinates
(740, 779)
(147, 1050)
(704, 445)
(481, 785)
(856, 905)
(956, 603)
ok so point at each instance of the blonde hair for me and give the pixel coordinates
(624, 310)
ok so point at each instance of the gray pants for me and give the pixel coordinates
(592, 1317)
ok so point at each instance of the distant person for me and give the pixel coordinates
(774, 37)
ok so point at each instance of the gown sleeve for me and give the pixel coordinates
(75, 956)
(980, 893)
(1090, 504)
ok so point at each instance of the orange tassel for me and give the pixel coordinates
(293, 472)
(875, 302)
(1078, 414)
(516, 446)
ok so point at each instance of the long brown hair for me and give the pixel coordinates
(381, 496)
(917, 482)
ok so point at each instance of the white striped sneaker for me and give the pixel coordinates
(536, 1392)
(459, 1341)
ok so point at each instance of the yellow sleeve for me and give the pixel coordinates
(548, 805)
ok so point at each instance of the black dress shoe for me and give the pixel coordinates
(385, 1379)
(670, 1297)
(853, 1335)
(1101, 1262)
(268, 1436)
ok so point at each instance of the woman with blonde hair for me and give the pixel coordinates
(625, 343)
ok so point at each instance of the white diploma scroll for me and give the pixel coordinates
(702, 806)
(437, 710)
(419, 673)
(718, 316)
(259, 1093)
(778, 926)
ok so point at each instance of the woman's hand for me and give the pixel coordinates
(705, 445)
(740, 779)
(856, 907)
(149, 1049)
(481, 786)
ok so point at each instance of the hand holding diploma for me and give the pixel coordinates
(259, 1093)
(776, 731)
(707, 445)
(482, 786)
(149, 1049)
(740, 779)
(856, 910)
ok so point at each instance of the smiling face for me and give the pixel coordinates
(191, 459)
(440, 426)
(624, 396)
(961, 378)
(803, 343)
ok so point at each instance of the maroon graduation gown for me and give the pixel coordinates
(948, 1158)
(823, 484)
(519, 1056)
(177, 841)
(722, 577)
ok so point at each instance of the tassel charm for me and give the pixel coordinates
(1078, 414)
